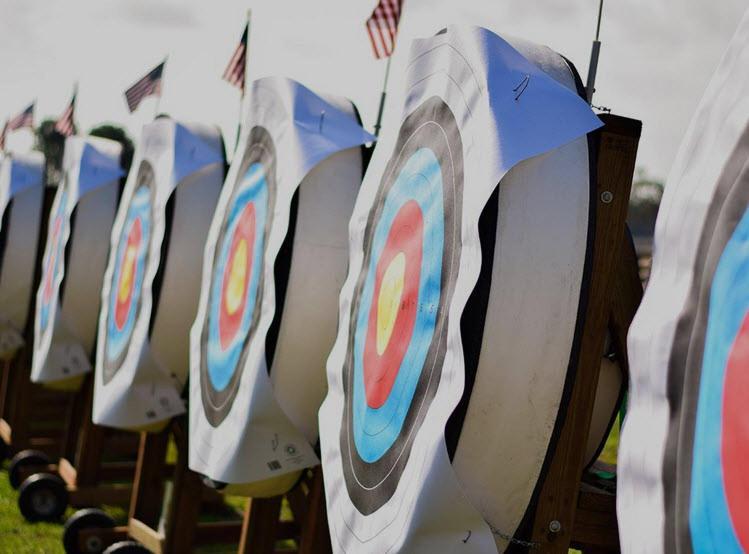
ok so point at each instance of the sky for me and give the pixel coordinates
(656, 59)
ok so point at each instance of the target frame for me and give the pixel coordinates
(218, 401)
(372, 482)
(140, 204)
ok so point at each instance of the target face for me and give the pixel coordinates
(399, 319)
(236, 283)
(719, 505)
(54, 259)
(132, 255)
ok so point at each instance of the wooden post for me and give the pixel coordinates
(616, 150)
(315, 534)
(181, 521)
(148, 486)
(260, 526)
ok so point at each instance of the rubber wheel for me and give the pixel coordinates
(88, 518)
(43, 497)
(25, 458)
(127, 547)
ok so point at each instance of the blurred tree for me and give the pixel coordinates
(51, 144)
(116, 133)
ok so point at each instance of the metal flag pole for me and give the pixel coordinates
(590, 87)
(244, 82)
(75, 103)
(378, 125)
(161, 91)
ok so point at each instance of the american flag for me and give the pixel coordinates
(23, 119)
(382, 27)
(148, 85)
(66, 124)
(234, 72)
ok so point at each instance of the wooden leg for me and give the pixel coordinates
(557, 502)
(90, 440)
(260, 526)
(148, 485)
(315, 535)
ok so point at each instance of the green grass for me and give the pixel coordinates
(19, 536)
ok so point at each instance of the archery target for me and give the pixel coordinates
(151, 283)
(719, 507)
(274, 261)
(237, 275)
(22, 222)
(77, 248)
(468, 247)
(54, 259)
(679, 482)
(398, 319)
(131, 259)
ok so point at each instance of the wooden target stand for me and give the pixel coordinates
(172, 526)
(96, 466)
(29, 413)
(569, 513)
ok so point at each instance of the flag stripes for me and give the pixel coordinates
(66, 124)
(382, 27)
(235, 71)
(23, 119)
(146, 86)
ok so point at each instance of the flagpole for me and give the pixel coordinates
(590, 86)
(244, 83)
(383, 95)
(75, 103)
(161, 91)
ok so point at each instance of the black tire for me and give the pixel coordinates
(88, 518)
(43, 497)
(127, 547)
(25, 458)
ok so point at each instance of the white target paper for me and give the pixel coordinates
(242, 430)
(474, 109)
(655, 453)
(22, 182)
(65, 320)
(150, 292)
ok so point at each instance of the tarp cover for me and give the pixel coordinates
(474, 108)
(293, 139)
(684, 448)
(152, 281)
(66, 315)
(21, 180)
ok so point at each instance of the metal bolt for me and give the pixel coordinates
(607, 197)
(555, 526)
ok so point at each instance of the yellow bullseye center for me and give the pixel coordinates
(389, 301)
(127, 274)
(237, 276)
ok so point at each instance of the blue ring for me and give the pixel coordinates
(420, 180)
(46, 306)
(222, 364)
(709, 515)
(117, 340)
